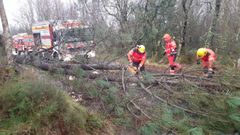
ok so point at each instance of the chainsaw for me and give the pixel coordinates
(132, 69)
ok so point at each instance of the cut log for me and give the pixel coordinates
(47, 66)
(68, 69)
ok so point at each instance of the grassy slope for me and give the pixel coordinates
(31, 106)
(56, 112)
(221, 106)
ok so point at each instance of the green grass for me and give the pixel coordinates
(35, 107)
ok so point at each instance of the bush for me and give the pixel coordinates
(188, 58)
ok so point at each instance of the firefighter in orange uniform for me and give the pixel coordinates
(171, 52)
(208, 57)
(137, 57)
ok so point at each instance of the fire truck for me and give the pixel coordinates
(63, 37)
(75, 35)
(22, 43)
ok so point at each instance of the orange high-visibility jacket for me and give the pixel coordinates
(170, 47)
(135, 56)
(211, 56)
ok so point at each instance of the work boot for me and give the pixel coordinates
(172, 72)
(205, 70)
(205, 74)
(210, 73)
(179, 68)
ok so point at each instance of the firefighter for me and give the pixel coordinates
(171, 53)
(137, 57)
(208, 57)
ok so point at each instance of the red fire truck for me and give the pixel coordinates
(62, 36)
(72, 33)
(22, 43)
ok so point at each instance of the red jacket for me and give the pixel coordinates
(170, 47)
(135, 56)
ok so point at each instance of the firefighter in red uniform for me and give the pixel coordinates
(208, 57)
(171, 52)
(137, 57)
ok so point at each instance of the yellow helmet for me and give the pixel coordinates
(201, 52)
(141, 48)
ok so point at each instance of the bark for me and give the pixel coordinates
(47, 66)
(2, 47)
(213, 28)
(182, 48)
(6, 37)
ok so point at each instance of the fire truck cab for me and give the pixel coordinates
(22, 43)
(73, 34)
(43, 35)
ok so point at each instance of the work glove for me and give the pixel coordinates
(164, 53)
(173, 53)
(131, 64)
(139, 68)
(198, 62)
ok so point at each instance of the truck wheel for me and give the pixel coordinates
(14, 51)
(56, 56)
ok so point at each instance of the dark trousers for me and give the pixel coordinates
(136, 64)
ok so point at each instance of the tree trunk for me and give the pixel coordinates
(6, 37)
(2, 47)
(182, 48)
(213, 28)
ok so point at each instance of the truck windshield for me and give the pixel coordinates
(28, 40)
(78, 35)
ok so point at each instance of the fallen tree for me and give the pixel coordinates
(112, 72)
(156, 96)
(105, 72)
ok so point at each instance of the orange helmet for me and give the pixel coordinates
(167, 37)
